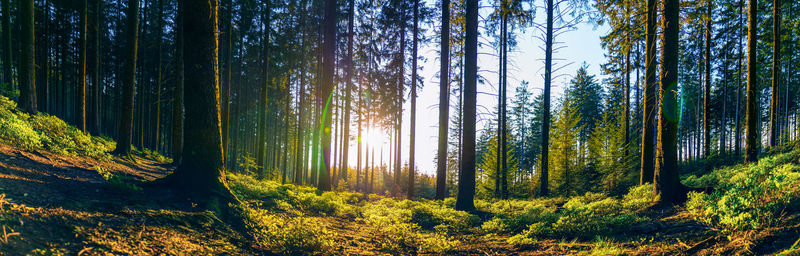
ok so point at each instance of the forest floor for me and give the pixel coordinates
(61, 205)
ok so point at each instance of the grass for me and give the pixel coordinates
(45, 132)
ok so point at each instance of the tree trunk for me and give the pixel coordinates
(347, 92)
(412, 132)
(177, 106)
(667, 184)
(707, 88)
(466, 180)
(328, 68)
(650, 103)
(7, 76)
(81, 102)
(444, 102)
(776, 72)
(129, 80)
(159, 29)
(736, 141)
(752, 115)
(97, 116)
(27, 86)
(548, 75)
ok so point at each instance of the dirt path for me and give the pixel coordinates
(56, 204)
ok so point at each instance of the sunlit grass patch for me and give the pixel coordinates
(43, 131)
(289, 235)
(748, 197)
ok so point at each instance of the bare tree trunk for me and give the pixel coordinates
(548, 76)
(444, 102)
(466, 181)
(27, 86)
(129, 80)
(776, 73)
(328, 68)
(667, 184)
(751, 137)
(177, 107)
(650, 103)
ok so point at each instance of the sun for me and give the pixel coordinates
(376, 136)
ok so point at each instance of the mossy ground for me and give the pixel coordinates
(55, 204)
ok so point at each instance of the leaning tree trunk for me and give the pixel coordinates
(128, 80)
(466, 184)
(667, 184)
(752, 115)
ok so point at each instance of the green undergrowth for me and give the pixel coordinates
(45, 132)
(748, 196)
(150, 154)
(290, 218)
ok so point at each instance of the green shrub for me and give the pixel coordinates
(289, 235)
(43, 131)
(748, 197)
(288, 198)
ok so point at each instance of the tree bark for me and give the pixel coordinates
(548, 75)
(27, 86)
(129, 80)
(7, 76)
(466, 180)
(650, 103)
(412, 132)
(707, 88)
(776, 72)
(667, 184)
(328, 69)
(752, 116)
(177, 106)
(444, 101)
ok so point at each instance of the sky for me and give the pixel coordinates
(526, 63)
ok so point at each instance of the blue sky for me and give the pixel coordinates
(526, 63)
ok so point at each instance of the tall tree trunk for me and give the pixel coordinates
(444, 101)
(548, 75)
(412, 133)
(129, 80)
(202, 171)
(707, 88)
(263, 108)
(347, 92)
(81, 102)
(650, 103)
(97, 116)
(776, 72)
(466, 176)
(667, 184)
(736, 141)
(328, 68)
(159, 29)
(27, 86)
(226, 96)
(752, 116)
(400, 86)
(503, 109)
(177, 106)
(7, 76)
